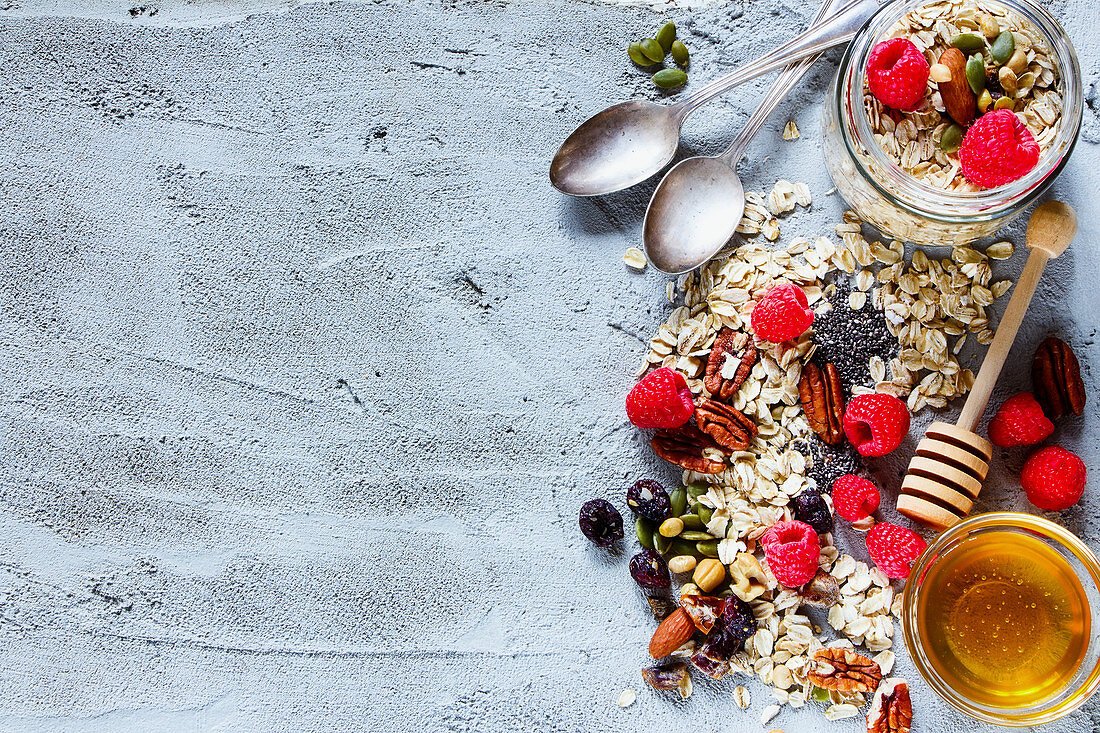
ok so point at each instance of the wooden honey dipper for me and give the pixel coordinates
(952, 461)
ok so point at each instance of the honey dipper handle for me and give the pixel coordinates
(1002, 342)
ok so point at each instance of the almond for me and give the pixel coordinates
(957, 96)
(671, 634)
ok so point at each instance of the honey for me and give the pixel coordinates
(1004, 618)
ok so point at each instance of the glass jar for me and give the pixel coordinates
(896, 202)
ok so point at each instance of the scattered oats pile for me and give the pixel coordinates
(931, 306)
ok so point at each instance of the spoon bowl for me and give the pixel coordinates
(616, 149)
(693, 213)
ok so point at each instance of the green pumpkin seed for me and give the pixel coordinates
(670, 78)
(951, 139)
(644, 530)
(678, 499)
(680, 54)
(1005, 103)
(652, 50)
(685, 548)
(705, 513)
(697, 489)
(661, 543)
(695, 535)
(708, 548)
(819, 694)
(975, 73)
(634, 51)
(1004, 45)
(968, 42)
(692, 521)
(666, 36)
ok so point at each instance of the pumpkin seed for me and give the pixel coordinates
(968, 42)
(670, 78)
(1005, 103)
(819, 694)
(697, 489)
(652, 50)
(634, 51)
(951, 139)
(680, 54)
(985, 101)
(692, 521)
(696, 536)
(666, 36)
(661, 543)
(678, 499)
(705, 513)
(1004, 45)
(975, 73)
(709, 548)
(644, 530)
(685, 548)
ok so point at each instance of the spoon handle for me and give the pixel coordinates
(834, 31)
(779, 90)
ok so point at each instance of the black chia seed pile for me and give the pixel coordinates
(848, 339)
(827, 463)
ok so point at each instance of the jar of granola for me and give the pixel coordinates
(896, 170)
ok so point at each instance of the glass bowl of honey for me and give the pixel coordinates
(1000, 617)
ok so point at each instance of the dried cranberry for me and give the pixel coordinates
(734, 627)
(810, 508)
(648, 499)
(601, 522)
(650, 570)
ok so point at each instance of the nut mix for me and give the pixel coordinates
(982, 58)
(756, 404)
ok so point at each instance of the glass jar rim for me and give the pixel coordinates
(1048, 530)
(923, 200)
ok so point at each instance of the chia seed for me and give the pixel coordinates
(848, 339)
(827, 463)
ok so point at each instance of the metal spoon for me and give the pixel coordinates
(697, 206)
(628, 143)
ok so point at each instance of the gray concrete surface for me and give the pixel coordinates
(306, 368)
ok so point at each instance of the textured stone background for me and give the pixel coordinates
(306, 368)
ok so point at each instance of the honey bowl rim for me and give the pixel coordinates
(1061, 703)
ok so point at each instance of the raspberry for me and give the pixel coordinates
(782, 314)
(1020, 421)
(894, 548)
(661, 400)
(854, 498)
(792, 552)
(1053, 478)
(897, 73)
(997, 149)
(876, 423)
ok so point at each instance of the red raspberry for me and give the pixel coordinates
(997, 149)
(661, 400)
(1053, 478)
(894, 548)
(1020, 421)
(782, 314)
(897, 73)
(792, 552)
(854, 497)
(876, 423)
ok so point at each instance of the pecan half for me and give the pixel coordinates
(822, 398)
(1057, 378)
(892, 710)
(730, 362)
(684, 447)
(834, 668)
(730, 428)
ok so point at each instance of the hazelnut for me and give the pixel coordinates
(708, 574)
